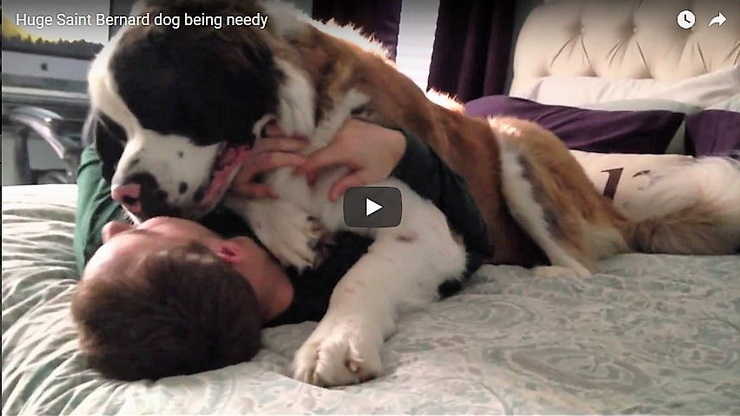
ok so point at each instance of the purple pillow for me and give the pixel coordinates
(589, 130)
(713, 132)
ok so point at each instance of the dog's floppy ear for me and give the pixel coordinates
(108, 138)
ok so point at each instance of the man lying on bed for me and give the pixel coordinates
(171, 296)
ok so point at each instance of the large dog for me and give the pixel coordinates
(177, 109)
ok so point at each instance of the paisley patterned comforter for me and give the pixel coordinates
(649, 334)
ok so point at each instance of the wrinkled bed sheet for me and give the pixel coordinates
(649, 334)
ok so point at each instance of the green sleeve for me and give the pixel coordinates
(95, 208)
(427, 174)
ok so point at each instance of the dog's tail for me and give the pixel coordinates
(695, 209)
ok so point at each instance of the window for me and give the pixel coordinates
(416, 38)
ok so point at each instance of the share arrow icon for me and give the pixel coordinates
(718, 19)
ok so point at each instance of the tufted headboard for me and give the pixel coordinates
(617, 39)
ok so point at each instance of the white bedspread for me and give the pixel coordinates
(650, 334)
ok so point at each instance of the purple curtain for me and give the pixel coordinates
(380, 18)
(471, 47)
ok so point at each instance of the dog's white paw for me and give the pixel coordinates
(294, 240)
(288, 232)
(341, 356)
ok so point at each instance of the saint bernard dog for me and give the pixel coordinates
(176, 110)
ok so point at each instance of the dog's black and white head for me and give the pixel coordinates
(176, 109)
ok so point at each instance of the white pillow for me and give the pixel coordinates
(732, 104)
(628, 177)
(644, 104)
(704, 90)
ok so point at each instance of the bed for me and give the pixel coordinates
(648, 334)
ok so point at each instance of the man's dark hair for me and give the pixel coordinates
(179, 311)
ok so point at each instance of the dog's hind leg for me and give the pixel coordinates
(550, 196)
(527, 207)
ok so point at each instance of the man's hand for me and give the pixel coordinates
(267, 155)
(370, 151)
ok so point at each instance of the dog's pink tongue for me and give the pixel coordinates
(228, 163)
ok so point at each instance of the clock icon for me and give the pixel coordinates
(686, 19)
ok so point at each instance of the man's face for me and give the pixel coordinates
(158, 231)
(125, 244)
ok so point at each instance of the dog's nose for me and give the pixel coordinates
(141, 195)
(128, 196)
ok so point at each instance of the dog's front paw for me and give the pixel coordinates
(294, 240)
(344, 355)
(293, 236)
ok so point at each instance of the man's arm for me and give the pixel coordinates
(95, 207)
(372, 153)
(427, 174)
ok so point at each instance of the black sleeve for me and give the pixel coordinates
(425, 172)
(313, 288)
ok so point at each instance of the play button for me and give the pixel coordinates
(372, 207)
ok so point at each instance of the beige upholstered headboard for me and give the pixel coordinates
(616, 39)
